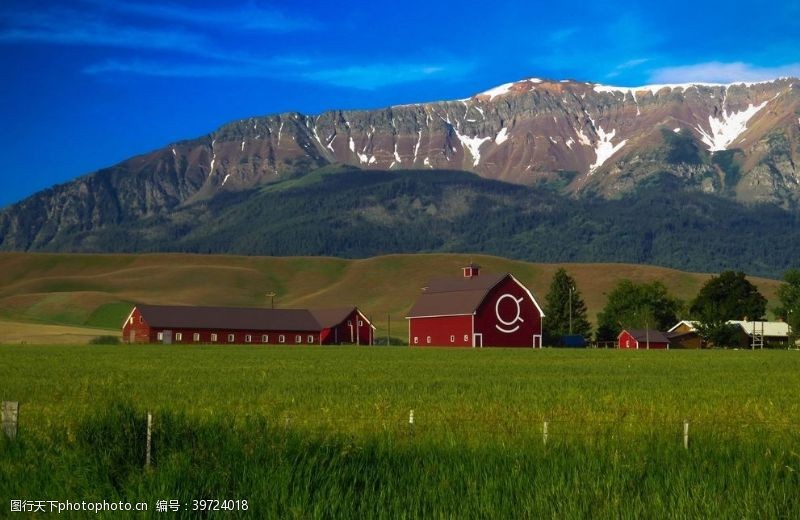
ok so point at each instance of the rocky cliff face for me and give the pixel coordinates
(739, 140)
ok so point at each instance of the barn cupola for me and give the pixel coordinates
(471, 270)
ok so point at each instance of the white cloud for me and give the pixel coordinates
(365, 77)
(720, 72)
(249, 17)
(378, 75)
(67, 27)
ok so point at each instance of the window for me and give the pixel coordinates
(264, 339)
(248, 339)
(178, 336)
(452, 339)
(416, 340)
(429, 340)
(141, 320)
(281, 339)
(298, 339)
(360, 323)
(231, 337)
(196, 336)
(213, 337)
(131, 320)
(310, 339)
(160, 336)
(349, 323)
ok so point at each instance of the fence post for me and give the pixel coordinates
(10, 418)
(544, 432)
(149, 438)
(685, 434)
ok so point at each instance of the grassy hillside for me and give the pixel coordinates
(99, 290)
(359, 214)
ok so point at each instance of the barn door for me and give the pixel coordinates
(477, 340)
(132, 336)
(167, 337)
(537, 341)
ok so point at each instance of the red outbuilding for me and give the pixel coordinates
(642, 339)
(183, 324)
(476, 310)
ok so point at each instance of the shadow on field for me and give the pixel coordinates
(286, 472)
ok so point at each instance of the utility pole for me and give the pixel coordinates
(271, 295)
(388, 329)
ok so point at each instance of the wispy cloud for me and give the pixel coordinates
(625, 66)
(67, 27)
(374, 76)
(721, 72)
(130, 25)
(363, 77)
(562, 35)
(195, 34)
(247, 17)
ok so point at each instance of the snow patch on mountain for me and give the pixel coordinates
(604, 148)
(505, 88)
(473, 144)
(653, 89)
(727, 128)
(502, 136)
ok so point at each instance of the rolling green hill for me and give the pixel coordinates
(99, 290)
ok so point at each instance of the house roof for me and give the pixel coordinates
(771, 328)
(655, 336)
(690, 324)
(455, 296)
(776, 329)
(237, 318)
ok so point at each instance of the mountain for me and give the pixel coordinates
(571, 143)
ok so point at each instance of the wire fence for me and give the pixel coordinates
(418, 424)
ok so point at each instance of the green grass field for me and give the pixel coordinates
(313, 432)
(99, 290)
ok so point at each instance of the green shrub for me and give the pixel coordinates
(104, 340)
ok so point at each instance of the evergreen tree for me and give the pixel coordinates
(637, 306)
(789, 309)
(557, 309)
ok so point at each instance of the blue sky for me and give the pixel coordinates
(87, 83)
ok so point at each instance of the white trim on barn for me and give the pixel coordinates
(129, 317)
(530, 295)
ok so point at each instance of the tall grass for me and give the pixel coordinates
(322, 433)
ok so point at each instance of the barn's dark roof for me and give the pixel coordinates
(331, 317)
(185, 317)
(454, 296)
(656, 336)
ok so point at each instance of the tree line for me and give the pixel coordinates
(631, 305)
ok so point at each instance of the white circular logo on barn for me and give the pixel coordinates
(509, 326)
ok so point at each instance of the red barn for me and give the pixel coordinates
(476, 310)
(178, 324)
(642, 339)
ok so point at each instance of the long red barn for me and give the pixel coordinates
(184, 324)
(476, 310)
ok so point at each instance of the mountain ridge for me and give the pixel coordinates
(580, 140)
